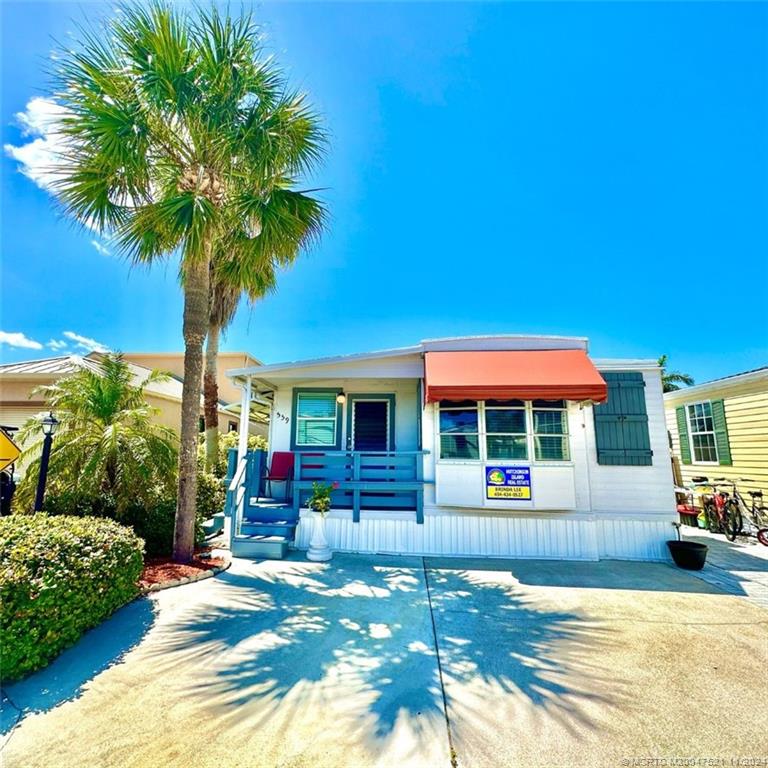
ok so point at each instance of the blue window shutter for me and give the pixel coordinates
(621, 423)
(721, 433)
(682, 431)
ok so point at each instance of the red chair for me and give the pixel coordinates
(281, 470)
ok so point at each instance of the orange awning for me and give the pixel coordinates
(562, 374)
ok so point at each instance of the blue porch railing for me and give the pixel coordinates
(367, 479)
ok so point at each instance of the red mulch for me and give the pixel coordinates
(161, 570)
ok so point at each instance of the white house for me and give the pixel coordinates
(498, 446)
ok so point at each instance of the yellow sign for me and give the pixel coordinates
(9, 451)
(507, 492)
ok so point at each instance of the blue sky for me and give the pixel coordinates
(587, 169)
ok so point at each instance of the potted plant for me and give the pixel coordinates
(687, 554)
(320, 503)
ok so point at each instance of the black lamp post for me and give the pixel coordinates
(49, 424)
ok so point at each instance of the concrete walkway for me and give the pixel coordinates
(738, 568)
(401, 661)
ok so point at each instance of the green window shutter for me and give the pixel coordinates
(621, 423)
(721, 433)
(682, 431)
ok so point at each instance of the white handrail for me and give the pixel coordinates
(238, 476)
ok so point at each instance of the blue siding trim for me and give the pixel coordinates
(295, 424)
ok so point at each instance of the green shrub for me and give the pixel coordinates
(60, 576)
(152, 519)
(229, 440)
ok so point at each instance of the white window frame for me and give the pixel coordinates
(299, 419)
(526, 434)
(691, 433)
(482, 434)
(479, 433)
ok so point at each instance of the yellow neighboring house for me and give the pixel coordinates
(720, 429)
(19, 380)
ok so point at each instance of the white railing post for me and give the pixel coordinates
(245, 420)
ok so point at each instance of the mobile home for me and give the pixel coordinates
(498, 446)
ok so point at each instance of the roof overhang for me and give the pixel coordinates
(561, 374)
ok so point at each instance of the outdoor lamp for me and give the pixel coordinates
(341, 398)
(48, 425)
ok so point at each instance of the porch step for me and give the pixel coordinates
(284, 528)
(260, 547)
(214, 525)
(265, 513)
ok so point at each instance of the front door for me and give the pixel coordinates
(370, 425)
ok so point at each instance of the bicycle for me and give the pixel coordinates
(720, 514)
(756, 513)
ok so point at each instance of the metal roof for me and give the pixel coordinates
(55, 367)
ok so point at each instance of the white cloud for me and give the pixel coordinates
(39, 157)
(100, 248)
(19, 340)
(86, 344)
(57, 344)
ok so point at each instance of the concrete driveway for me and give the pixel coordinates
(403, 661)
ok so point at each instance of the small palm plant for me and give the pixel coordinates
(671, 381)
(107, 444)
(178, 134)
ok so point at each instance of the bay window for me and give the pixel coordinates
(503, 430)
(550, 430)
(459, 430)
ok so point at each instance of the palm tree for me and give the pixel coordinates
(106, 444)
(176, 130)
(671, 381)
(288, 222)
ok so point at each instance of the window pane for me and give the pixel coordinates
(458, 421)
(458, 404)
(704, 447)
(549, 422)
(505, 404)
(316, 432)
(459, 447)
(318, 405)
(551, 448)
(506, 447)
(505, 421)
(549, 403)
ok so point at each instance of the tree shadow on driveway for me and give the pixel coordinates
(352, 644)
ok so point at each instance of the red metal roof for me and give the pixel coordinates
(562, 374)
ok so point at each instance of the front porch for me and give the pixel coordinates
(377, 481)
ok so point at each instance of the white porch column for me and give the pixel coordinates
(245, 420)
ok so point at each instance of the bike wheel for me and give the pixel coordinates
(711, 519)
(762, 536)
(733, 522)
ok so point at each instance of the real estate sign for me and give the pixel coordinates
(512, 483)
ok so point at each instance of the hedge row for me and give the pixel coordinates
(152, 520)
(60, 576)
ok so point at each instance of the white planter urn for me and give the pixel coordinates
(319, 551)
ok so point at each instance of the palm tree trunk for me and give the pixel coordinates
(196, 280)
(211, 395)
